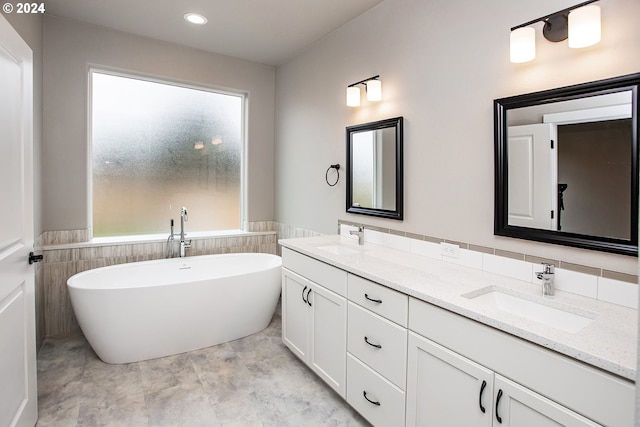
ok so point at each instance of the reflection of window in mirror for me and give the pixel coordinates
(374, 168)
(374, 174)
(364, 157)
(594, 161)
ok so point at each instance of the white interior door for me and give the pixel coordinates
(533, 177)
(18, 406)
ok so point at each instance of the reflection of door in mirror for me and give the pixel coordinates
(587, 193)
(596, 203)
(583, 144)
(532, 176)
(374, 169)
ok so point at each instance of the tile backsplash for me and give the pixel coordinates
(585, 281)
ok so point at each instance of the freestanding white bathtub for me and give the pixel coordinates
(144, 310)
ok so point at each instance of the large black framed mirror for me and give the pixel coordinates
(374, 177)
(566, 165)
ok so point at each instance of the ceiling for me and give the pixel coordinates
(265, 31)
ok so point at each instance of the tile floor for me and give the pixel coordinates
(253, 381)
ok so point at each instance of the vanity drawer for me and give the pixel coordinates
(323, 274)
(379, 343)
(381, 300)
(383, 403)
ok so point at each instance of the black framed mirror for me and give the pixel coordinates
(374, 177)
(566, 165)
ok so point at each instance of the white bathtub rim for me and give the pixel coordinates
(78, 280)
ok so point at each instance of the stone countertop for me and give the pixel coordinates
(608, 342)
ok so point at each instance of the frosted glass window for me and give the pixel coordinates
(157, 147)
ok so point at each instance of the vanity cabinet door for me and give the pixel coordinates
(328, 337)
(295, 313)
(517, 406)
(445, 389)
(314, 327)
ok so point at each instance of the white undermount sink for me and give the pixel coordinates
(556, 315)
(339, 249)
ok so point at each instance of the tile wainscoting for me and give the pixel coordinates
(39, 290)
(65, 254)
(69, 252)
(286, 231)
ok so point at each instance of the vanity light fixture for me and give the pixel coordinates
(579, 23)
(195, 18)
(353, 96)
(373, 87)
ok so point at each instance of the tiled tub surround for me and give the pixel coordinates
(607, 343)
(63, 260)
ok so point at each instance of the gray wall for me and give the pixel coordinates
(441, 63)
(71, 47)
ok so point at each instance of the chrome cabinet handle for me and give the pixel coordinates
(482, 387)
(373, 402)
(379, 301)
(372, 345)
(305, 301)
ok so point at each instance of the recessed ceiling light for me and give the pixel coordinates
(195, 18)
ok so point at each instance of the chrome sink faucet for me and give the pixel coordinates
(183, 243)
(548, 289)
(359, 233)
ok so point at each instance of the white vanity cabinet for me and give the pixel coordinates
(314, 316)
(526, 385)
(516, 406)
(446, 389)
(399, 360)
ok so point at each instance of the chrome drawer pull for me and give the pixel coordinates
(373, 402)
(379, 301)
(372, 345)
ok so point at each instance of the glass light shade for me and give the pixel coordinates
(374, 90)
(523, 44)
(584, 26)
(353, 96)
